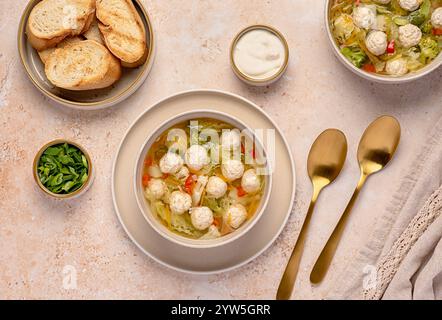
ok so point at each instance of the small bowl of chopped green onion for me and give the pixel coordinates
(63, 169)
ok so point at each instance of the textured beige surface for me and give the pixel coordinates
(39, 237)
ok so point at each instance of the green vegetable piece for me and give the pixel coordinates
(355, 55)
(84, 178)
(401, 21)
(52, 151)
(416, 18)
(427, 27)
(66, 160)
(382, 10)
(57, 180)
(83, 159)
(419, 16)
(68, 185)
(429, 50)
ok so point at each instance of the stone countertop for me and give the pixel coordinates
(41, 239)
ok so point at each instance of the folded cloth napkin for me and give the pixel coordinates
(412, 269)
(403, 258)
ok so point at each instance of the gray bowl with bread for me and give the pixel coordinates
(86, 54)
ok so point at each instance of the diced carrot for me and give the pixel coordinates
(437, 32)
(165, 176)
(146, 179)
(148, 162)
(369, 68)
(217, 221)
(241, 192)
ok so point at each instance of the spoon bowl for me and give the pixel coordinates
(325, 162)
(327, 156)
(376, 149)
(378, 144)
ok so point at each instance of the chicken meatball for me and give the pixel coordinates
(376, 42)
(180, 202)
(409, 35)
(232, 169)
(216, 187)
(197, 158)
(364, 17)
(236, 215)
(250, 181)
(231, 139)
(183, 173)
(436, 18)
(410, 5)
(202, 217)
(171, 163)
(156, 189)
(397, 67)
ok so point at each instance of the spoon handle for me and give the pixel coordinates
(324, 261)
(288, 279)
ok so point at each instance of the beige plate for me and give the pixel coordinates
(218, 259)
(130, 81)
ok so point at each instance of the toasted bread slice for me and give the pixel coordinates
(50, 21)
(123, 31)
(94, 33)
(44, 55)
(83, 65)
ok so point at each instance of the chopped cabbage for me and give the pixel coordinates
(213, 233)
(343, 27)
(181, 223)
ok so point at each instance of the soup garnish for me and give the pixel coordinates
(63, 169)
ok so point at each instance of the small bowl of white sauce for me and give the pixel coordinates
(259, 55)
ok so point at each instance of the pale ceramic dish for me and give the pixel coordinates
(372, 76)
(75, 194)
(253, 81)
(130, 81)
(145, 208)
(221, 258)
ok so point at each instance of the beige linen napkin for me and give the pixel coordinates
(403, 258)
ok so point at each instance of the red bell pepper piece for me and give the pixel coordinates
(189, 184)
(391, 47)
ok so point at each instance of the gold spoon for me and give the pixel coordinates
(376, 149)
(325, 161)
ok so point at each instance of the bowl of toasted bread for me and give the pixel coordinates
(86, 54)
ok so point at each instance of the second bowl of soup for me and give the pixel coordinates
(389, 41)
(202, 179)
